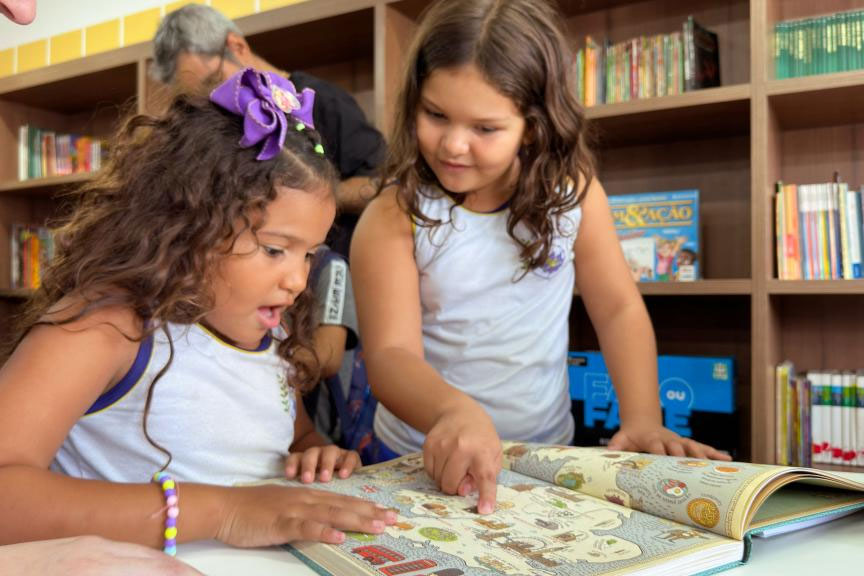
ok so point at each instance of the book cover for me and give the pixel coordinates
(566, 511)
(659, 233)
(702, 54)
(697, 396)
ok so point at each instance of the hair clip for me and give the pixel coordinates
(265, 101)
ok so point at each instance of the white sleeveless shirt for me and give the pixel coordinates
(226, 415)
(497, 337)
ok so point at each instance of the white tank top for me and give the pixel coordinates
(501, 340)
(226, 415)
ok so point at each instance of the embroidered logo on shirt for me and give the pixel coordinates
(554, 261)
(286, 392)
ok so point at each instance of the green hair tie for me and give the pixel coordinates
(300, 126)
(319, 149)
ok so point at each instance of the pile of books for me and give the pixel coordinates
(818, 231)
(44, 153)
(647, 66)
(820, 45)
(820, 417)
(32, 249)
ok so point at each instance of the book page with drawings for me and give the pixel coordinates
(537, 529)
(711, 495)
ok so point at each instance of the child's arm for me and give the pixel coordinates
(626, 337)
(330, 340)
(87, 556)
(54, 375)
(311, 452)
(462, 449)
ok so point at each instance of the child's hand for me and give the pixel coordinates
(659, 440)
(270, 515)
(325, 460)
(462, 453)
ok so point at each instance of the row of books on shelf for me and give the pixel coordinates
(819, 417)
(818, 231)
(44, 153)
(32, 249)
(647, 66)
(659, 234)
(819, 45)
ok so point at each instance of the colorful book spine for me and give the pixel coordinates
(819, 231)
(819, 45)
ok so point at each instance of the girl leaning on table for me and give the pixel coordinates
(171, 335)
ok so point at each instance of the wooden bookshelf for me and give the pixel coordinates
(816, 287)
(15, 294)
(732, 142)
(696, 288)
(838, 468)
(49, 185)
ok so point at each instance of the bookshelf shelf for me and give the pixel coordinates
(699, 288)
(816, 287)
(839, 468)
(706, 97)
(714, 112)
(732, 287)
(817, 101)
(47, 186)
(77, 72)
(68, 88)
(15, 294)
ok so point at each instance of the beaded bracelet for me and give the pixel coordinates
(172, 510)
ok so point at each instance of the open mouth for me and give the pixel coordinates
(270, 316)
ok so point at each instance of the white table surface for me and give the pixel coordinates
(832, 549)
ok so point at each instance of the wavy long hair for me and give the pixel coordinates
(520, 49)
(147, 232)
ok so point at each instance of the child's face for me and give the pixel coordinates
(262, 277)
(469, 134)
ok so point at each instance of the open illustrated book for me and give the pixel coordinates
(582, 511)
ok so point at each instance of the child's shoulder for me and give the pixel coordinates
(114, 322)
(387, 209)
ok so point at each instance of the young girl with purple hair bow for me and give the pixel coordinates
(172, 335)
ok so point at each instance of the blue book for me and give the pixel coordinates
(659, 233)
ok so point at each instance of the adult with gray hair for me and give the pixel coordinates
(197, 44)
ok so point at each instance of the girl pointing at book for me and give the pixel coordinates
(464, 265)
(171, 335)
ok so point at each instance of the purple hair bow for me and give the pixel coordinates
(264, 99)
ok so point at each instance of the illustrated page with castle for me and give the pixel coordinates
(707, 494)
(536, 529)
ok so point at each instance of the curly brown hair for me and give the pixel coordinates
(521, 50)
(147, 231)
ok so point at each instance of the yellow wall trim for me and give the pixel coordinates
(102, 37)
(271, 4)
(109, 35)
(234, 8)
(7, 62)
(141, 26)
(32, 55)
(67, 46)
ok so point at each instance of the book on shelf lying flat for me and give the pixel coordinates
(563, 510)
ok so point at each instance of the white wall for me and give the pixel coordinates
(57, 16)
